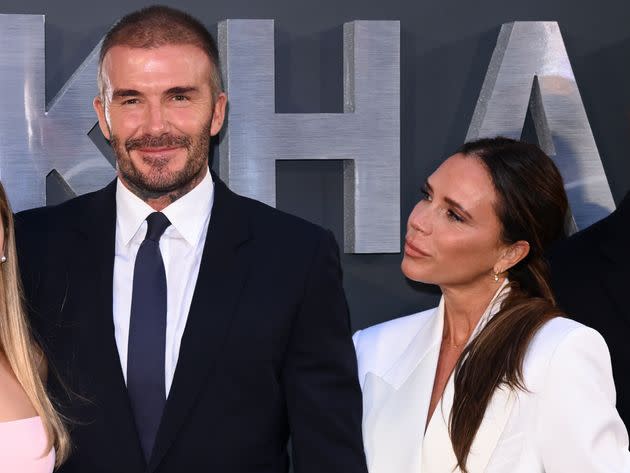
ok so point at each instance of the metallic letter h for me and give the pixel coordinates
(366, 136)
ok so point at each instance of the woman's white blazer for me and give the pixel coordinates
(565, 423)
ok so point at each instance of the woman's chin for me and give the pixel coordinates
(415, 272)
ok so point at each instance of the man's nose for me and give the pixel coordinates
(156, 122)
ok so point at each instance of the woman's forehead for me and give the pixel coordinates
(465, 180)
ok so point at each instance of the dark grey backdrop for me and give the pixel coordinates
(445, 49)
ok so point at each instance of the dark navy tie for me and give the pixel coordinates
(147, 335)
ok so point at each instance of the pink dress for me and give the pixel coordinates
(22, 445)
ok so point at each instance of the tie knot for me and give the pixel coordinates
(157, 222)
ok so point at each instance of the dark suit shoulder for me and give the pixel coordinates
(584, 242)
(580, 266)
(285, 244)
(580, 258)
(608, 227)
(267, 221)
(57, 216)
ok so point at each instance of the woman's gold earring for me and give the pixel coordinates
(496, 276)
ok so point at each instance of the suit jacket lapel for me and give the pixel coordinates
(92, 267)
(396, 404)
(222, 274)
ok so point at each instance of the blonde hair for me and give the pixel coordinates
(20, 349)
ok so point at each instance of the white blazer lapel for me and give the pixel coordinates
(494, 422)
(441, 457)
(396, 404)
(499, 407)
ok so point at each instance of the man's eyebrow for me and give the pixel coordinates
(181, 90)
(120, 93)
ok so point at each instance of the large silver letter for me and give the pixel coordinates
(35, 141)
(366, 137)
(530, 68)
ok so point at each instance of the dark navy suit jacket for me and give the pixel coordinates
(591, 278)
(266, 353)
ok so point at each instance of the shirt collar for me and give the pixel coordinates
(188, 214)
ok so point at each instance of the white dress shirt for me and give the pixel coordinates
(181, 246)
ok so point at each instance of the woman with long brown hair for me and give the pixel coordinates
(33, 438)
(495, 379)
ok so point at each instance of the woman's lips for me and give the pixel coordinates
(414, 251)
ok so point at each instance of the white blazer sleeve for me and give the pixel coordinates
(578, 427)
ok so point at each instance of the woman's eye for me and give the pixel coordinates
(425, 195)
(453, 216)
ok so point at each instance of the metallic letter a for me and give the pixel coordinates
(530, 68)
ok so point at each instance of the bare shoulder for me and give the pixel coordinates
(14, 403)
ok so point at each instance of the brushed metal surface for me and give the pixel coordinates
(35, 139)
(366, 136)
(530, 68)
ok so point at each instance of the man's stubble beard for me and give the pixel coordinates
(160, 183)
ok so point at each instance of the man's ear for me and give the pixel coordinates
(218, 114)
(99, 108)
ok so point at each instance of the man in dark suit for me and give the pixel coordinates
(191, 329)
(591, 279)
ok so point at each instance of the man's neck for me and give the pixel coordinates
(159, 201)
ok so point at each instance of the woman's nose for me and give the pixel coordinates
(420, 218)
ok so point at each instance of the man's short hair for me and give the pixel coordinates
(157, 26)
